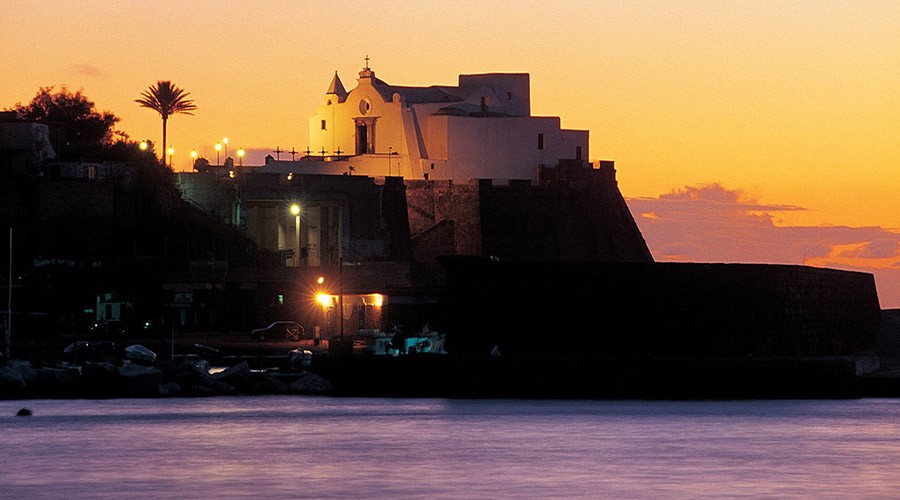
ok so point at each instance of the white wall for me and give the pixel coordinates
(459, 147)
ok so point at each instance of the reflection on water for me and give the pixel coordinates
(308, 447)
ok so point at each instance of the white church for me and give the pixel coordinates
(479, 129)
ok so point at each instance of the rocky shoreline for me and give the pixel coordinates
(588, 377)
(242, 368)
(21, 379)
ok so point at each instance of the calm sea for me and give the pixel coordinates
(318, 447)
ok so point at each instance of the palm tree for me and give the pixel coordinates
(166, 99)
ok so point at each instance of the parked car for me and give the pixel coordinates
(279, 330)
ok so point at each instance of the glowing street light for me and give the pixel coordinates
(171, 154)
(327, 302)
(225, 140)
(218, 148)
(143, 145)
(240, 154)
(295, 211)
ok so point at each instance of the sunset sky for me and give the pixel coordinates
(742, 131)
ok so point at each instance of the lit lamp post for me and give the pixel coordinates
(218, 148)
(240, 154)
(324, 300)
(193, 157)
(171, 154)
(143, 145)
(225, 141)
(295, 211)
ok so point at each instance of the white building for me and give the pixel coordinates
(480, 129)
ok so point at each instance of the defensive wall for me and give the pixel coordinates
(658, 309)
(573, 214)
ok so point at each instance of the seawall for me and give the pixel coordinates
(658, 309)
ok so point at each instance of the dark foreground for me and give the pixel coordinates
(446, 376)
(229, 364)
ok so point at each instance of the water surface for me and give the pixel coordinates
(319, 447)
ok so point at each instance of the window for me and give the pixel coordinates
(323, 125)
(540, 141)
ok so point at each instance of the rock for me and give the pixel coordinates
(238, 375)
(101, 379)
(12, 383)
(64, 380)
(299, 359)
(141, 380)
(223, 388)
(140, 354)
(170, 389)
(25, 368)
(24, 412)
(269, 385)
(202, 390)
(310, 383)
(190, 373)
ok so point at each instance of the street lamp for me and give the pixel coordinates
(240, 157)
(225, 140)
(324, 300)
(295, 211)
(143, 145)
(193, 157)
(171, 154)
(218, 148)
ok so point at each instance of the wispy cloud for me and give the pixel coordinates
(711, 223)
(87, 70)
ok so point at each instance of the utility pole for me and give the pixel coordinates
(341, 294)
(9, 297)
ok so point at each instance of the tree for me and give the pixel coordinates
(77, 130)
(166, 99)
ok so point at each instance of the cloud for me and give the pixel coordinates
(879, 249)
(87, 70)
(711, 223)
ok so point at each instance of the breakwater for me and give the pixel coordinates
(442, 376)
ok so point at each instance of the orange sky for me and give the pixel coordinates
(786, 103)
